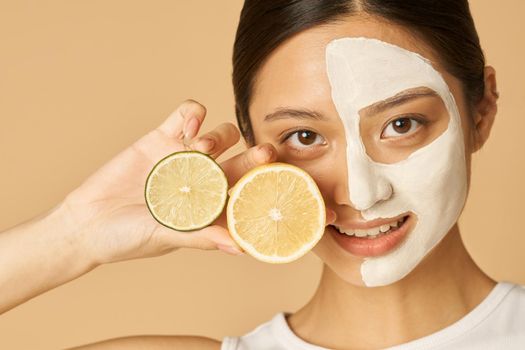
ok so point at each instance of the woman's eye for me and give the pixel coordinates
(304, 138)
(401, 127)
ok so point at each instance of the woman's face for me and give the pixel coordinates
(368, 111)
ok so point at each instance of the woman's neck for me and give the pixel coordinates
(443, 288)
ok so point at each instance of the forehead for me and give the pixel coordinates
(296, 72)
(364, 70)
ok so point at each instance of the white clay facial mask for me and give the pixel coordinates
(430, 183)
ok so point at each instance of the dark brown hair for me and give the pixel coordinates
(445, 25)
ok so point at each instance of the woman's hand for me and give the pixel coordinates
(109, 213)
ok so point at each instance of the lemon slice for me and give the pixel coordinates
(186, 191)
(276, 213)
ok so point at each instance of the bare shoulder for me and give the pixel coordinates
(154, 342)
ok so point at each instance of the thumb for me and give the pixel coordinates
(238, 165)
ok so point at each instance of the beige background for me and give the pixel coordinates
(80, 80)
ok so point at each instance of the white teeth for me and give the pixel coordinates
(384, 228)
(348, 233)
(360, 233)
(372, 232)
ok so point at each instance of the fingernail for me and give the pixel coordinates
(229, 249)
(191, 127)
(205, 144)
(266, 152)
(331, 216)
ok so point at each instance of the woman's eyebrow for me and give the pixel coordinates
(400, 98)
(297, 113)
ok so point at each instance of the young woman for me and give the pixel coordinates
(383, 103)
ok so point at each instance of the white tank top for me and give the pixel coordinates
(498, 322)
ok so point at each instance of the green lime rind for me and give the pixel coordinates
(212, 218)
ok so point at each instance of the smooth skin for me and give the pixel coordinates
(343, 314)
(105, 221)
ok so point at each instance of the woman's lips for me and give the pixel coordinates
(373, 244)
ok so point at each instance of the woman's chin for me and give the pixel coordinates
(342, 268)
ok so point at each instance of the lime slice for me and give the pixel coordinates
(186, 191)
(276, 213)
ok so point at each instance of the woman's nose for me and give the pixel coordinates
(363, 186)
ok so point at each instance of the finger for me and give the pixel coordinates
(218, 140)
(221, 237)
(209, 238)
(237, 166)
(331, 216)
(186, 119)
